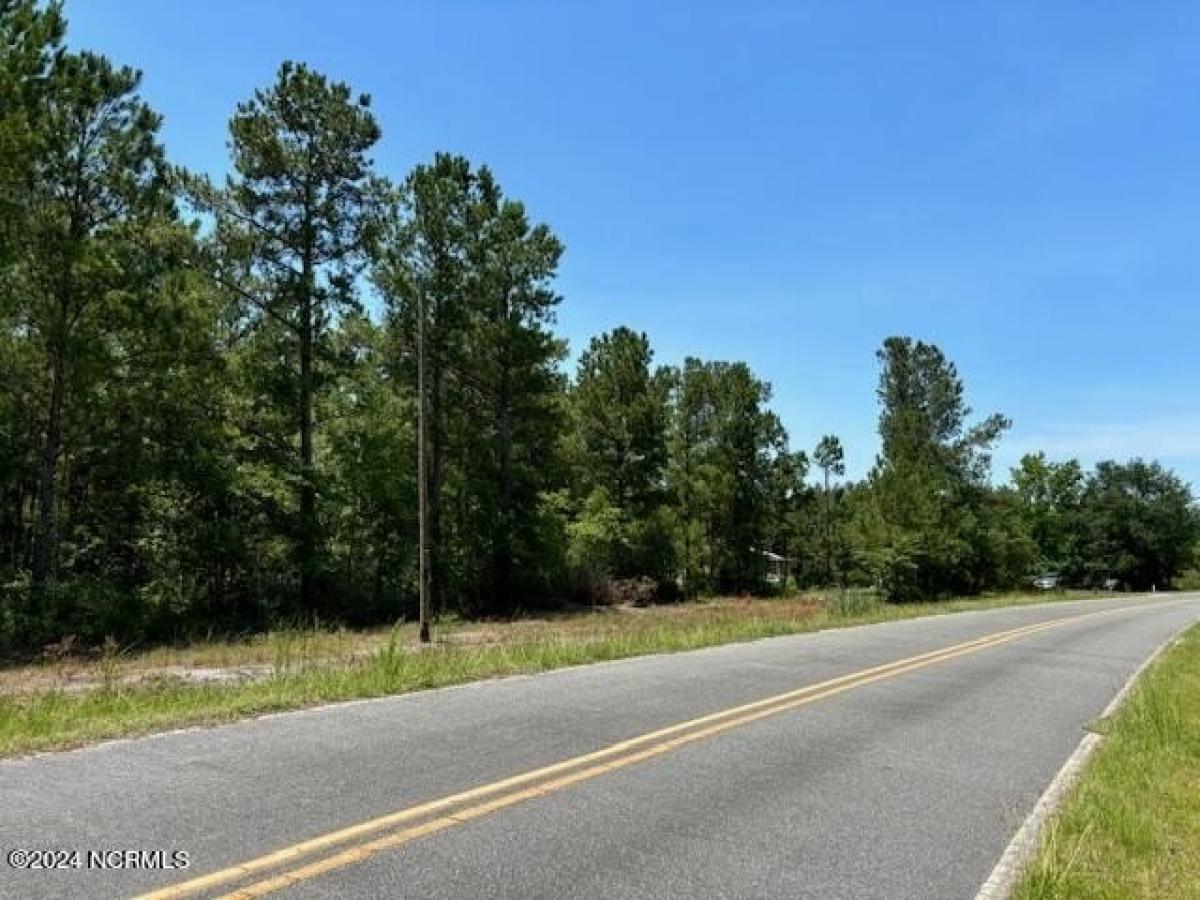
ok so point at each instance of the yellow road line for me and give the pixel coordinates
(697, 729)
(304, 848)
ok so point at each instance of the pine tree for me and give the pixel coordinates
(921, 525)
(422, 263)
(99, 184)
(292, 222)
(725, 451)
(620, 408)
(484, 273)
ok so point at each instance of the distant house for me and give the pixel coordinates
(1047, 581)
(777, 566)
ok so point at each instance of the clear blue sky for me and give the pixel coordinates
(789, 183)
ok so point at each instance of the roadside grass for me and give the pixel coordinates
(1131, 826)
(69, 703)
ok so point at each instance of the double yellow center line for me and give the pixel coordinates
(446, 812)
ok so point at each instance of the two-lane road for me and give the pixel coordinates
(891, 760)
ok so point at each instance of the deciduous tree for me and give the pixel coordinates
(1139, 525)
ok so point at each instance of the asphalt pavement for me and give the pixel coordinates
(892, 761)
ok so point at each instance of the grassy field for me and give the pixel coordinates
(1131, 827)
(72, 701)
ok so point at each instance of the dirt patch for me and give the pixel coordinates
(260, 656)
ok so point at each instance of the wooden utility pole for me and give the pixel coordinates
(828, 528)
(422, 480)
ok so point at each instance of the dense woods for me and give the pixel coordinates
(208, 397)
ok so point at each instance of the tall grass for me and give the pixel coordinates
(1131, 827)
(852, 603)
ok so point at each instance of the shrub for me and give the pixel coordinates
(640, 591)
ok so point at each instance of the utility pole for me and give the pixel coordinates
(828, 537)
(422, 480)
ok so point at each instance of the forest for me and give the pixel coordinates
(208, 399)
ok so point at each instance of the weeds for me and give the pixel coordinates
(110, 665)
(1131, 827)
(850, 602)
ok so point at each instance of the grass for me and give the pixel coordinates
(1131, 827)
(71, 702)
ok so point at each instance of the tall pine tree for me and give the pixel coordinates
(291, 226)
(99, 184)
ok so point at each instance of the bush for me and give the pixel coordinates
(1188, 580)
(591, 588)
(640, 591)
(898, 575)
(596, 540)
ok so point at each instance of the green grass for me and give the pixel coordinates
(1131, 827)
(301, 673)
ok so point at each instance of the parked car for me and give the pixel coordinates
(1046, 582)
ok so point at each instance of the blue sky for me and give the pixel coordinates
(789, 183)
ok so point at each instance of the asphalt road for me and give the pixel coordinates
(902, 782)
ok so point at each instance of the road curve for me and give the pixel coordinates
(892, 760)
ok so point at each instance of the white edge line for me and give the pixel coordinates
(1027, 840)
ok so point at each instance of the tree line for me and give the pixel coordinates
(209, 401)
